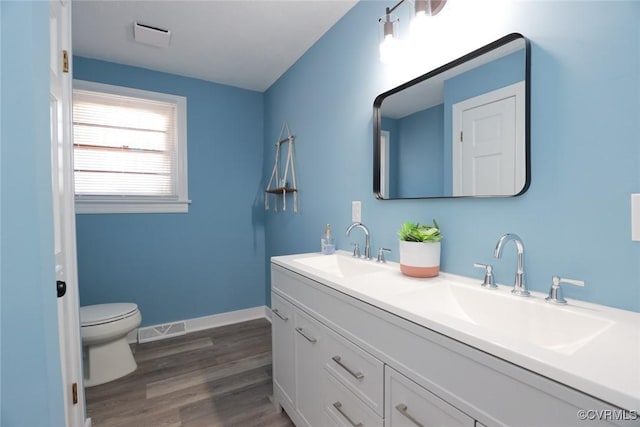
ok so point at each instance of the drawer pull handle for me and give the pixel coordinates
(277, 313)
(307, 337)
(402, 408)
(338, 407)
(356, 375)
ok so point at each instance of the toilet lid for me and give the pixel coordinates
(104, 313)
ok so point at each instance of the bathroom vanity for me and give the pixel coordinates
(356, 343)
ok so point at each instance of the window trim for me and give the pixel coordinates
(146, 204)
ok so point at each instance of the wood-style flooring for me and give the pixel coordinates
(217, 377)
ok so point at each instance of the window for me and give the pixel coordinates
(130, 150)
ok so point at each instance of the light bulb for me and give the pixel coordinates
(419, 25)
(388, 49)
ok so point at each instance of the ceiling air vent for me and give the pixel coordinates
(152, 36)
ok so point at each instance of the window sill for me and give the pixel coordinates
(131, 206)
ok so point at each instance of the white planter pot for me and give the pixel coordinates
(420, 259)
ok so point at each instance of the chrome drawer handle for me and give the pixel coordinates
(338, 407)
(277, 313)
(402, 408)
(356, 375)
(307, 337)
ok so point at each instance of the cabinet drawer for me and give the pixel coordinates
(358, 370)
(344, 409)
(409, 405)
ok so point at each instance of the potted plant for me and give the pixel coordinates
(420, 249)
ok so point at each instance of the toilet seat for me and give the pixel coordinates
(99, 314)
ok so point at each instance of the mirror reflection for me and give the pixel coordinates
(458, 131)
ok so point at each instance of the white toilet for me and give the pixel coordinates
(106, 352)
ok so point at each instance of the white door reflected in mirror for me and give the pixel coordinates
(486, 161)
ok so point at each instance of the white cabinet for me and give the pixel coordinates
(298, 359)
(309, 342)
(319, 377)
(283, 351)
(382, 368)
(409, 405)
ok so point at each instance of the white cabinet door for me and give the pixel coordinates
(283, 352)
(409, 405)
(309, 341)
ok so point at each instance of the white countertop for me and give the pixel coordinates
(606, 365)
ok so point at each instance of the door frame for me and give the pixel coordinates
(69, 307)
(385, 137)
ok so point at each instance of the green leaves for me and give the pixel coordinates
(411, 232)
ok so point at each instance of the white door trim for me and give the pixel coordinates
(384, 163)
(64, 214)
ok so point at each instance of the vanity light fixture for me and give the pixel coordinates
(389, 43)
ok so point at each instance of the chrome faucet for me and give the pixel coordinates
(519, 287)
(367, 244)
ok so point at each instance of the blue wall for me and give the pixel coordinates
(210, 260)
(574, 219)
(31, 385)
(416, 144)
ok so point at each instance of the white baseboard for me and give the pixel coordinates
(215, 320)
(228, 318)
(87, 422)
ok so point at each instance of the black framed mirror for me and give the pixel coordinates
(461, 130)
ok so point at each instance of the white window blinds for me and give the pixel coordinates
(123, 146)
(127, 149)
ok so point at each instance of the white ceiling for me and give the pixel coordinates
(242, 43)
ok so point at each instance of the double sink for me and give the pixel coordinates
(591, 347)
(562, 329)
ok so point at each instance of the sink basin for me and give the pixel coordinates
(340, 265)
(561, 329)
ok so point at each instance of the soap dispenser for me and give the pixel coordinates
(327, 244)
